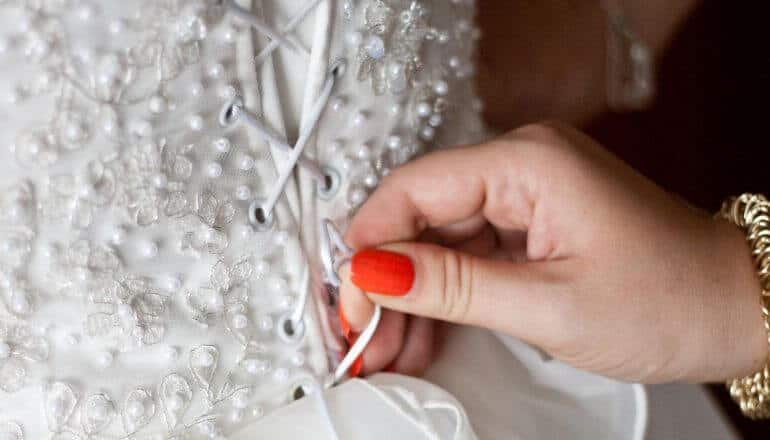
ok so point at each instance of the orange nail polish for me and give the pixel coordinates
(344, 324)
(355, 369)
(382, 272)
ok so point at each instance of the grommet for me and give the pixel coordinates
(304, 387)
(230, 112)
(299, 392)
(290, 331)
(330, 185)
(259, 219)
(339, 67)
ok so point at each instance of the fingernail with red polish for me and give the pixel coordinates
(344, 324)
(382, 272)
(355, 369)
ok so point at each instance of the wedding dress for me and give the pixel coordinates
(174, 174)
(161, 271)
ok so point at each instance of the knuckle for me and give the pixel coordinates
(538, 144)
(457, 286)
(546, 143)
(545, 133)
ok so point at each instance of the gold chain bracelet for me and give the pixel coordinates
(751, 213)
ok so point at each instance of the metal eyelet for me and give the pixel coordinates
(330, 185)
(338, 67)
(230, 112)
(300, 391)
(290, 331)
(259, 219)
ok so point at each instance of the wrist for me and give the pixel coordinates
(745, 348)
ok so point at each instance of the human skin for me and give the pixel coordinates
(545, 236)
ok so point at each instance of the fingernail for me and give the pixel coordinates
(344, 324)
(355, 369)
(382, 272)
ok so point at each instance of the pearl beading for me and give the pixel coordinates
(124, 225)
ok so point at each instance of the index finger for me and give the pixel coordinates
(444, 188)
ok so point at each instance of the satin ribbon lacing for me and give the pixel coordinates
(260, 211)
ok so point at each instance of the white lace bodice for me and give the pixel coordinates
(136, 298)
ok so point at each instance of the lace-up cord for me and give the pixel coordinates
(289, 27)
(239, 113)
(359, 346)
(234, 110)
(331, 241)
(247, 16)
(330, 237)
(304, 137)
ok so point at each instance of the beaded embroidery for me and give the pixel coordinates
(123, 211)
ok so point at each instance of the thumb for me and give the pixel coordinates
(527, 300)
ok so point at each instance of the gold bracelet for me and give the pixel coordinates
(751, 213)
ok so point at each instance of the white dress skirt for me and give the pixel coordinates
(165, 169)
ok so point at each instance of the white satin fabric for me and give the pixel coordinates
(508, 391)
(137, 300)
(382, 407)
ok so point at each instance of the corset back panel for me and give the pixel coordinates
(136, 298)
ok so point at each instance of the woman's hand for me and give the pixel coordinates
(545, 236)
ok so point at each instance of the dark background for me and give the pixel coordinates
(706, 137)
